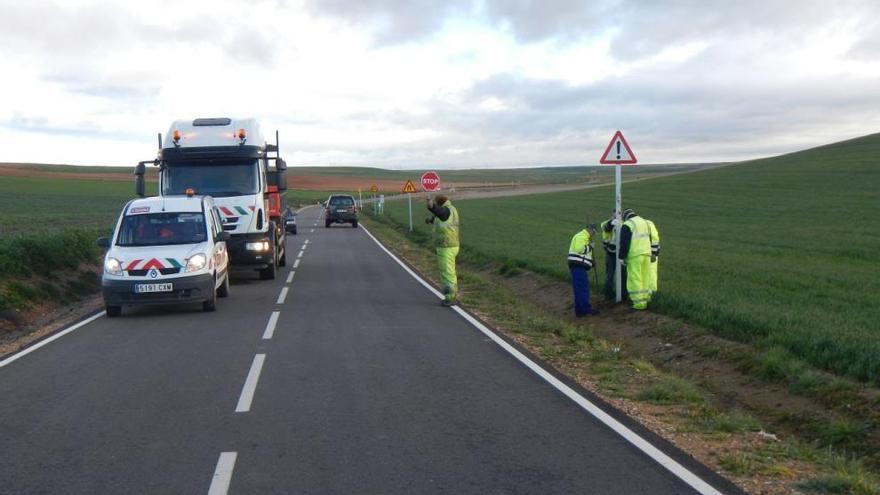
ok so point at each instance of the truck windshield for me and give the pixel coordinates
(159, 229)
(235, 178)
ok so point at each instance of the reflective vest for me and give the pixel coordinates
(580, 252)
(446, 233)
(640, 244)
(655, 238)
(608, 238)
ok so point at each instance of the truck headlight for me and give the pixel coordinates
(112, 266)
(196, 262)
(257, 246)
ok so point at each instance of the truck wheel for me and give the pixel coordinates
(113, 311)
(294, 231)
(223, 291)
(327, 224)
(268, 273)
(354, 224)
(211, 303)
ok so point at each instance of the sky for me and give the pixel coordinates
(446, 84)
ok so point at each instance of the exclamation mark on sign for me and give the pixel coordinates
(618, 150)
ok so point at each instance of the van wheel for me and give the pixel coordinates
(113, 311)
(223, 291)
(354, 224)
(211, 303)
(327, 224)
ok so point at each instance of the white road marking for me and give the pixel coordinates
(307, 241)
(223, 474)
(300, 255)
(282, 296)
(312, 230)
(296, 263)
(25, 352)
(250, 384)
(290, 276)
(304, 247)
(270, 327)
(632, 437)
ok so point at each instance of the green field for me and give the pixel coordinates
(778, 252)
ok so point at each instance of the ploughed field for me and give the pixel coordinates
(778, 252)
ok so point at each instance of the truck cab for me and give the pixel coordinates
(228, 159)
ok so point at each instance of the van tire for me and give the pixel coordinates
(211, 303)
(113, 311)
(223, 291)
(354, 224)
(327, 224)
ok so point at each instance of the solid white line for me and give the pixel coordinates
(270, 327)
(223, 474)
(290, 276)
(25, 352)
(282, 296)
(250, 384)
(632, 437)
(296, 263)
(300, 255)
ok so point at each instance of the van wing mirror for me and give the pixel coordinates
(223, 236)
(139, 187)
(103, 242)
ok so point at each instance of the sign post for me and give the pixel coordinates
(618, 153)
(373, 191)
(409, 188)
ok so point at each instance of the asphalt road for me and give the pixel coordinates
(344, 375)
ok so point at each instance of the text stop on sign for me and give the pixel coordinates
(430, 181)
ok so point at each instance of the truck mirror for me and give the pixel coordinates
(282, 179)
(280, 164)
(139, 179)
(103, 242)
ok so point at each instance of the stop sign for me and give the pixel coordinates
(430, 181)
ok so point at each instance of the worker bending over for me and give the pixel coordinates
(635, 253)
(607, 228)
(580, 260)
(444, 216)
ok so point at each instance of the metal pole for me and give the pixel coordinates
(409, 200)
(618, 215)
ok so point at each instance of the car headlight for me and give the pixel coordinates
(196, 262)
(112, 266)
(257, 246)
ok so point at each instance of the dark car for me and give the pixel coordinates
(341, 209)
(289, 217)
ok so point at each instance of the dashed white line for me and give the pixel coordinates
(311, 230)
(250, 385)
(223, 474)
(270, 327)
(300, 255)
(307, 241)
(304, 247)
(57, 336)
(296, 263)
(630, 436)
(282, 296)
(290, 276)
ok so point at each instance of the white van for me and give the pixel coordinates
(166, 250)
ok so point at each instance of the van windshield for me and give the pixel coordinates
(159, 229)
(218, 179)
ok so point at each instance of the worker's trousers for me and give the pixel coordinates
(610, 266)
(448, 280)
(580, 286)
(638, 280)
(652, 279)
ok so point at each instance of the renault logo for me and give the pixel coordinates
(153, 273)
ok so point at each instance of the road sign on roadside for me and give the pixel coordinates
(409, 187)
(374, 189)
(430, 181)
(618, 152)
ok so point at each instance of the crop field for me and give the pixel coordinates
(779, 252)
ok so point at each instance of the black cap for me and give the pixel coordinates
(628, 213)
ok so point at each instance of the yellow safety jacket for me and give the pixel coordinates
(446, 233)
(640, 245)
(655, 238)
(580, 252)
(608, 238)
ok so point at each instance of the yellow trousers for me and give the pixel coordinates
(448, 280)
(638, 280)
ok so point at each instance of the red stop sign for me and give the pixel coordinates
(430, 181)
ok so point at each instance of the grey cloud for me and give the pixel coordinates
(43, 125)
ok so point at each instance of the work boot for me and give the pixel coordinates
(448, 303)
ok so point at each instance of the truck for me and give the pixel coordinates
(229, 160)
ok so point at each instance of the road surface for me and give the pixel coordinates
(344, 375)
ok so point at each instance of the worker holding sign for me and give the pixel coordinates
(444, 216)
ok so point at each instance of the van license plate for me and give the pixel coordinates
(142, 288)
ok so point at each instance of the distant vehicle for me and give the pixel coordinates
(340, 208)
(290, 221)
(229, 160)
(168, 249)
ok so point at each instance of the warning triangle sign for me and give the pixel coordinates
(409, 187)
(618, 152)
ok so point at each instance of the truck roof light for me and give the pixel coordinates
(241, 134)
(175, 136)
(189, 192)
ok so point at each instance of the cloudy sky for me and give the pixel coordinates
(449, 83)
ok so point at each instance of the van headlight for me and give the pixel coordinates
(196, 262)
(257, 246)
(112, 266)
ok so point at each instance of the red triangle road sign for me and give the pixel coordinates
(618, 152)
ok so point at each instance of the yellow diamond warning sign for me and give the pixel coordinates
(374, 189)
(409, 187)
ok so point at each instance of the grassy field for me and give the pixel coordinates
(777, 252)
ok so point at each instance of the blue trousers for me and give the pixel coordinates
(580, 285)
